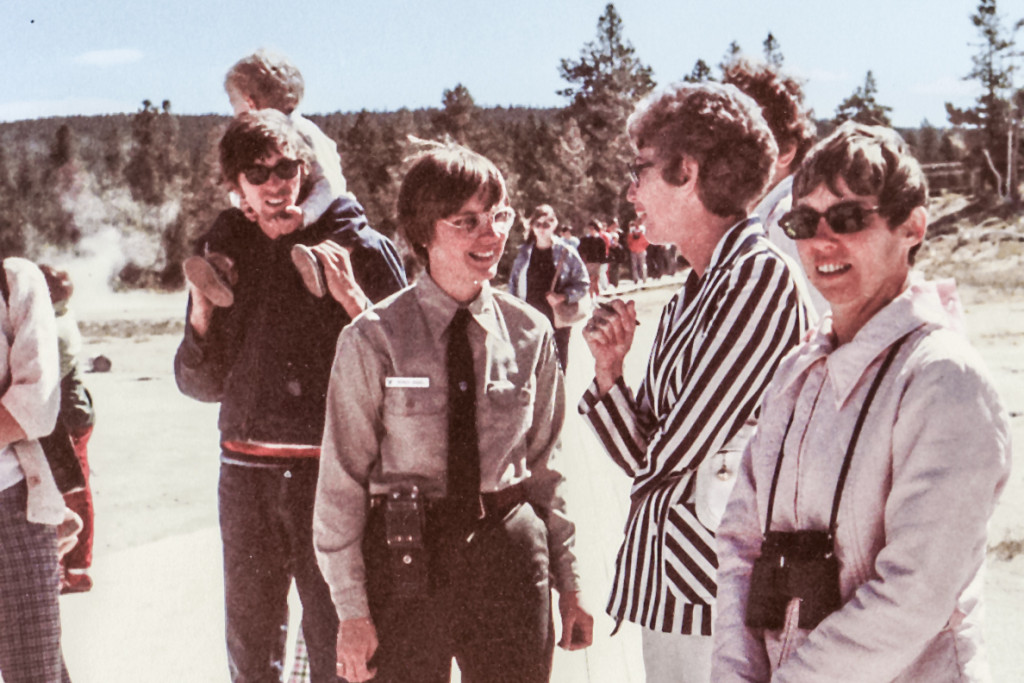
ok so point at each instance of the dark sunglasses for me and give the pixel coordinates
(843, 218)
(285, 169)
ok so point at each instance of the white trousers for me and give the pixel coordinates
(674, 658)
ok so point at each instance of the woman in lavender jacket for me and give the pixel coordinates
(923, 479)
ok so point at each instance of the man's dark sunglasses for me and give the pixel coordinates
(285, 169)
(844, 218)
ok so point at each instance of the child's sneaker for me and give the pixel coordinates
(209, 280)
(310, 269)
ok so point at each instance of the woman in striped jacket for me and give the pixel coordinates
(704, 155)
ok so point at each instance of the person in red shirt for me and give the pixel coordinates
(637, 243)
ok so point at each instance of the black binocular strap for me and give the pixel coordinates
(849, 449)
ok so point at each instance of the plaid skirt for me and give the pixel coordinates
(29, 590)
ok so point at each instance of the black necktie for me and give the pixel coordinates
(463, 450)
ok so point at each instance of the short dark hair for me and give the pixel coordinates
(781, 99)
(539, 211)
(871, 160)
(257, 135)
(440, 180)
(269, 79)
(717, 126)
(542, 210)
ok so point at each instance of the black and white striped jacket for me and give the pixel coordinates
(719, 341)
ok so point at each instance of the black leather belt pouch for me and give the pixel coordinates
(404, 521)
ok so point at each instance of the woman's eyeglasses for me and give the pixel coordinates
(843, 218)
(636, 169)
(285, 169)
(501, 220)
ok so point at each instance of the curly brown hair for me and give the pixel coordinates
(718, 127)
(782, 103)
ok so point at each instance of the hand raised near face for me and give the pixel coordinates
(609, 335)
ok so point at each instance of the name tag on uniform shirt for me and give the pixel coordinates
(407, 382)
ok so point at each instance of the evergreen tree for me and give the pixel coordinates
(732, 53)
(457, 114)
(11, 229)
(862, 106)
(6, 184)
(63, 148)
(605, 83)
(63, 181)
(26, 202)
(951, 148)
(993, 70)
(25, 181)
(772, 51)
(910, 137)
(574, 162)
(372, 156)
(155, 176)
(154, 165)
(204, 197)
(113, 159)
(928, 143)
(700, 72)
(534, 171)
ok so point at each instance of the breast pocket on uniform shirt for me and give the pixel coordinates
(415, 421)
(509, 409)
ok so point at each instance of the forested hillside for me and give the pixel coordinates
(147, 183)
(141, 188)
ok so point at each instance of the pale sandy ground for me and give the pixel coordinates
(156, 611)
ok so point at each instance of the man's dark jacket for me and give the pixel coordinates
(267, 359)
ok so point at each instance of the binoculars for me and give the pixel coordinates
(793, 564)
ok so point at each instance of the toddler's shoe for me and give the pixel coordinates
(310, 269)
(74, 581)
(209, 280)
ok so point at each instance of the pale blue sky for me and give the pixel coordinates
(65, 57)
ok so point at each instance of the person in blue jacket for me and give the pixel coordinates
(540, 260)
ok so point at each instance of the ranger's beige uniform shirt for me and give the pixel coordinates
(387, 424)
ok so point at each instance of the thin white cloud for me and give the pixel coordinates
(104, 58)
(72, 106)
(819, 75)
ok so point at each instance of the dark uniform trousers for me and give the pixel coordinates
(489, 605)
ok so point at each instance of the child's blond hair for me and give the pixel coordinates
(268, 79)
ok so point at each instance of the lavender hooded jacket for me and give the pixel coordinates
(931, 462)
